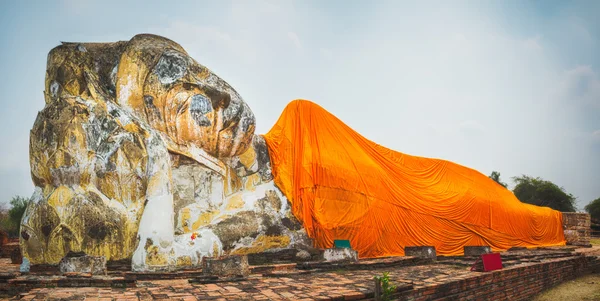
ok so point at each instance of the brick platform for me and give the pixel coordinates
(235, 265)
(526, 274)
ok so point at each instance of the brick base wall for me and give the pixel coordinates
(576, 227)
(514, 283)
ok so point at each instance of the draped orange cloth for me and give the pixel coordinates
(343, 186)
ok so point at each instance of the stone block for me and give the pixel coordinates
(421, 252)
(476, 250)
(226, 266)
(82, 263)
(340, 255)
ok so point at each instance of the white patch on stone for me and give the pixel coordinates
(157, 224)
(36, 198)
(123, 118)
(125, 91)
(113, 75)
(157, 221)
(197, 248)
(24, 267)
(340, 254)
(54, 86)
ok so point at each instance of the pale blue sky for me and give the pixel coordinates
(512, 86)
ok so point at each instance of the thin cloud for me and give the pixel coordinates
(582, 84)
(294, 39)
(534, 43)
(326, 53)
(201, 38)
(471, 127)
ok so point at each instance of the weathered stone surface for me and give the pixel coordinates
(421, 252)
(577, 228)
(75, 263)
(303, 255)
(16, 257)
(340, 255)
(476, 250)
(226, 266)
(141, 153)
(3, 238)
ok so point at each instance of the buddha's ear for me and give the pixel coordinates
(219, 99)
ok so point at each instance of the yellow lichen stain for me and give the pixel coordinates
(184, 261)
(216, 250)
(248, 157)
(129, 80)
(47, 191)
(252, 181)
(233, 183)
(185, 217)
(132, 127)
(263, 243)
(154, 257)
(235, 202)
(204, 219)
(60, 197)
(156, 184)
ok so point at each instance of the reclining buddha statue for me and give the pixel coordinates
(142, 153)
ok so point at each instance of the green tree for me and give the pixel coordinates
(540, 192)
(593, 208)
(496, 177)
(11, 221)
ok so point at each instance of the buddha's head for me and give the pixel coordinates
(154, 78)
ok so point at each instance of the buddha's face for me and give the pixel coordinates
(187, 103)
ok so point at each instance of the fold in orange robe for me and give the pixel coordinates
(343, 186)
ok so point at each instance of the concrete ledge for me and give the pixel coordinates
(476, 250)
(226, 266)
(421, 252)
(340, 255)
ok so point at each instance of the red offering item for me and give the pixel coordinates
(490, 262)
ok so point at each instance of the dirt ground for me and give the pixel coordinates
(583, 288)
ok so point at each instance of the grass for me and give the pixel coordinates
(595, 241)
(583, 288)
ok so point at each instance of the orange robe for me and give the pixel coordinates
(343, 186)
